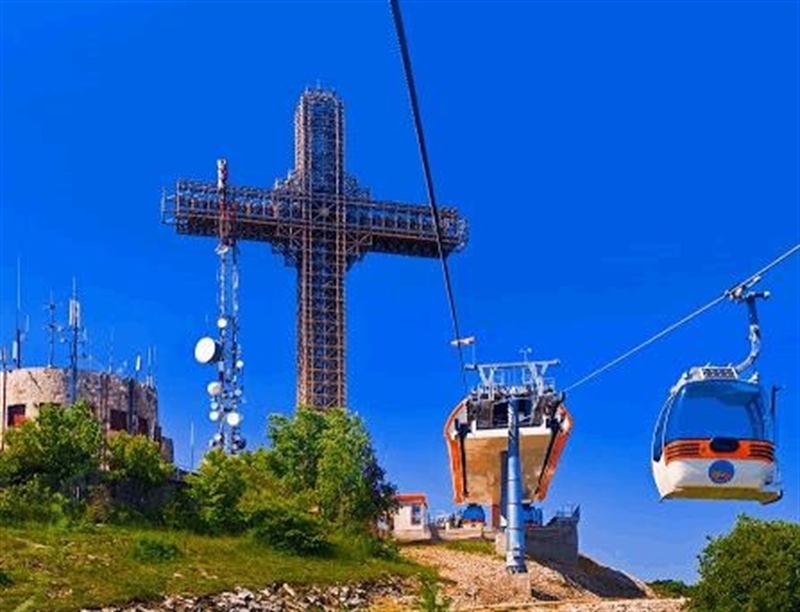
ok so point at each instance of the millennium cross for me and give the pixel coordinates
(322, 222)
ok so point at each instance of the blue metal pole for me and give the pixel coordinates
(515, 528)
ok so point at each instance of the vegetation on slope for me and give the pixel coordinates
(119, 525)
(671, 588)
(66, 569)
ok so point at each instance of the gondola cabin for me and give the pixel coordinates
(476, 435)
(713, 439)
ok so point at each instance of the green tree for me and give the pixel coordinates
(263, 490)
(296, 446)
(327, 456)
(61, 445)
(350, 485)
(754, 568)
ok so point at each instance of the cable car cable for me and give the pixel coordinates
(412, 94)
(749, 282)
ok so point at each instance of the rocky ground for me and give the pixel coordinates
(473, 581)
(283, 598)
(480, 582)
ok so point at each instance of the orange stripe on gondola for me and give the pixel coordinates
(749, 450)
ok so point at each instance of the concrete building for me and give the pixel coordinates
(120, 404)
(410, 521)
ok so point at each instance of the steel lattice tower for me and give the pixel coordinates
(322, 222)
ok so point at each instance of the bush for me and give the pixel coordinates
(151, 550)
(182, 511)
(430, 599)
(755, 567)
(288, 530)
(216, 489)
(62, 446)
(32, 502)
(670, 588)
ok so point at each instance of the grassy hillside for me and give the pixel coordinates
(56, 569)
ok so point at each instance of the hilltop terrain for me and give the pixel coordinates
(113, 570)
(478, 580)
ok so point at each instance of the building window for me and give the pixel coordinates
(15, 415)
(416, 514)
(118, 420)
(143, 427)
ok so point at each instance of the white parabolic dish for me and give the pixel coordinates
(206, 350)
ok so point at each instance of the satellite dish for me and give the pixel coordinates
(240, 364)
(234, 418)
(213, 415)
(214, 388)
(207, 350)
(222, 322)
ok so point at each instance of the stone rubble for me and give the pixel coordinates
(277, 598)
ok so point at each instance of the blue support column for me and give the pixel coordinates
(515, 526)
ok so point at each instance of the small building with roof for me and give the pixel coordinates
(409, 522)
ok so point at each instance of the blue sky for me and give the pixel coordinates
(620, 164)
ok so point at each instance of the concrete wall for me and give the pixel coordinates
(119, 403)
(555, 542)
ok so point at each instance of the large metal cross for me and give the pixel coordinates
(322, 222)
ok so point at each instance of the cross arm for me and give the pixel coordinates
(268, 215)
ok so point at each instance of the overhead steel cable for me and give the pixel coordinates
(748, 282)
(412, 94)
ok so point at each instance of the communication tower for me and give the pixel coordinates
(226, 391)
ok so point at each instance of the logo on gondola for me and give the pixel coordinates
(720, 471)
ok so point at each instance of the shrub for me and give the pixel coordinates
(287, 530)
(216, 489)
(151, 550)
(61, 446)
(32, 502)
(670, 588)
(5, 579)
(430, 599)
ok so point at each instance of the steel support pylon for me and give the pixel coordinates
(515, 527)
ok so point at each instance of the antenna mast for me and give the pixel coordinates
(75, 341)
(53, 330)
(19, 333)
(226, 391)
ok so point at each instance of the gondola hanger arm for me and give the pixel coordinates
(734, 292)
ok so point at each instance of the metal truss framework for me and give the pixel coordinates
(321, 221)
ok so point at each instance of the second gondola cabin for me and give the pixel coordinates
(714, 439)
